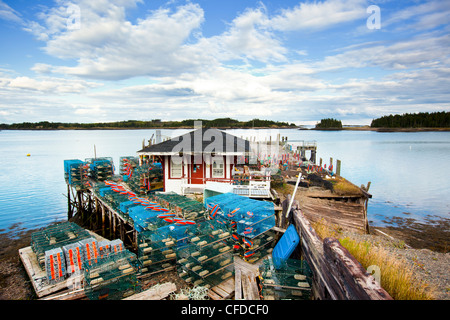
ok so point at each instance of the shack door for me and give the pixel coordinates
(197, 172)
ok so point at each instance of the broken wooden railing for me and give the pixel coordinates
(337, 274)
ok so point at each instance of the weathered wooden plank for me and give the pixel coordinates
(254, 292)
(244, 266)
(337, 274)
(214, 296)
(220, 291)
(227, 285)
(356, 282)
(237, 285)
(72, 295)
(157, 292)
(312, 251)
(278, 229)
(247, 287)
(349, 216)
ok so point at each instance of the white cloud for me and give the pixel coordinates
(46, 85)
(419, 52)
(319, 15)
(108, 46)
(422, 16)
(8, 13)
(251, 37)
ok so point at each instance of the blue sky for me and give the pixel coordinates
(295, 61)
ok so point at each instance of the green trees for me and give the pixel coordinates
(329, 124)
(414, 120)
(139, 124)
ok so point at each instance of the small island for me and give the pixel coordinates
(408, 122)
(329, 124)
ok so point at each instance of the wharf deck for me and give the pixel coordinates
(346, 211)
(246, 287)
(71, 288)
(343, 214)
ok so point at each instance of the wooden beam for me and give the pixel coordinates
(237, 285)
(337, 275)
(355, 281)
(312, 252)
(157, 292)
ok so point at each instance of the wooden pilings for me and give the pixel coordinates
(91, 212)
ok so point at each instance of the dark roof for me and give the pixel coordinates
(201, 141)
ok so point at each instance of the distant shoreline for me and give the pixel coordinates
(345, 128)
(147, 128)
(368, 128)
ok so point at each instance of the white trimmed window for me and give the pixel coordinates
(176, 169)
(217, 169)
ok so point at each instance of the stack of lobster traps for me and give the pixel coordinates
(142, 179)
(157, 248)
(76, 173)
(112, 277)
(290, 280)
(54, 237)
(207, 257)
(100, 169)
(181, 205)
(250, 220)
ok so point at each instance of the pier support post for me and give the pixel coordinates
(313, 156)
(110, 218)
(103, 221)
(80, 206)
(338, 168)
(69, 204)
(114, 226)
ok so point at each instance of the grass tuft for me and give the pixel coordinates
(396, 275)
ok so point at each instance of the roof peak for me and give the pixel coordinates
(201, 140)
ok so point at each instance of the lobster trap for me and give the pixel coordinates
(100, 169)
(111, 278)
(291, 281)
(207, 258)
(181, 205)
(56, 236)
(252, 250)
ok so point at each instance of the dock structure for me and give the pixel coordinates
(91, 211)
(225, 243)
(301, 146)
(323, 194)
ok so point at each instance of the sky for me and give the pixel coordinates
(293, 61)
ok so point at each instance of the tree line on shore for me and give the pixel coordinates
(414, 120)
(406, 120)
(140, 124)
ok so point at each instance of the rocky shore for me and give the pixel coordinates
(433, 267)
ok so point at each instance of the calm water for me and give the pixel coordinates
(409, 172)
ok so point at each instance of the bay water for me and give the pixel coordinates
(408, 171)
